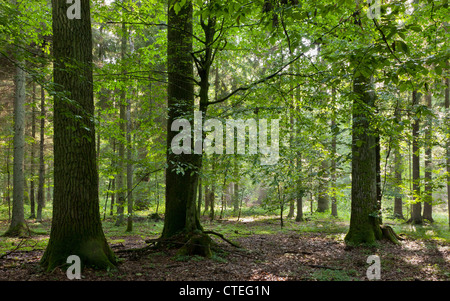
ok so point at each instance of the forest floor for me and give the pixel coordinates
(309, 251)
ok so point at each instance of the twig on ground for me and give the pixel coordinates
(221, 236)
(15, 249)
(323, 267)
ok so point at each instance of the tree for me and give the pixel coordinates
(447, 107)
(299, 190)
(17, 226)
(122, 125)
(428, 189)
(398, 201)
(41, 182)
(334, 130)
(364, 221)
(32, 146)
(416, 207)
(322, 200)
(129, 170)
(76, 226)
(181, 219)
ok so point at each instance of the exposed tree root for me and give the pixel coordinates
(221, 236)
(389, 234)
(21, 230)
(198, 243)
(414, 222)
(15, 249)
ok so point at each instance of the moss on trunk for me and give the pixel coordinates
(370, 235)
(389, 234)
(76, 226)
(365, 212)
(18, 230)
(93, 252)
(198, 244)
(366, 233)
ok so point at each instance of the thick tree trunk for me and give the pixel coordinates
(181, 187)
(364, 221)
(76, 226)
(323, 202)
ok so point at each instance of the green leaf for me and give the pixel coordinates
(394, 78)
(404, 48)
(415, 28)
(177, 7)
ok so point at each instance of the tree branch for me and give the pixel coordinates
(383, 36)
(257, 82)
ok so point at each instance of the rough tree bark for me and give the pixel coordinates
(364, 222)
(181, 223)
(76, 226)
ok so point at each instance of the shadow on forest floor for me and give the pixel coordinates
(303, 251)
